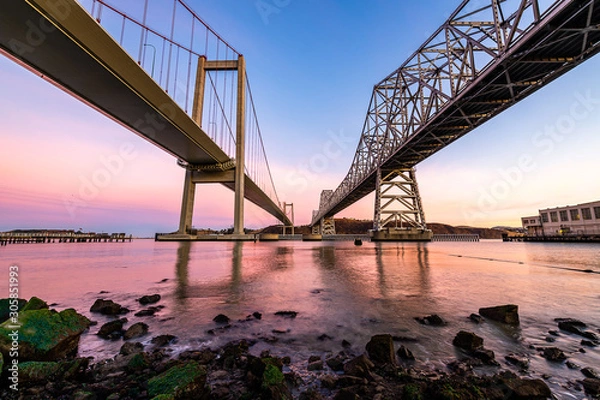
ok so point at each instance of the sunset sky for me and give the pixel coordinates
(312, 65)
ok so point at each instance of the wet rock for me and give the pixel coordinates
(381, 349)
(590, 373)
(163, 340)
(150, 299)
(280, 331)
(221, 319)
(107, 307)
(508, 314)
(35, 303)
(316, 365)
(486, 356)
(553, 354)
(518, 360)
(532, 389)
(467, 341)
(129, 348)
(433, 320)
(553, 332)
(591, 386)
(336, 363)
(328, 381)
(572, 365)
(590, 343)
(148, 312)
(476, 318)
(112, 329)
(577, 327)
(462, 368)
(44, 371)
(550, 339)
(324, 337)
(405, 354)
(313, 359)
(187, 381)
(346, 344)
(405, 339)
(45, 335)
(136, 330)
(359, 367)
(287, 314)
(257, 315)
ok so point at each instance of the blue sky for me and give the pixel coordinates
(312, 65)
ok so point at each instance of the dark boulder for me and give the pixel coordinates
(336, 363)
(107, 307)
(553, 354)
(528, 389)
(381, 350)
(148, 312)
(591, 386)
(468, 341)
(486, 356)
(287, 314)
(433, 320)
(112, 329)
(476, 318)
(129, 348)
(136, 330)
(359, 367)
(221, 319)
(508, 314)
(518, 360)
(163, 340)
(150, 299)
(590, 373)
(35, 303)
(405, 354)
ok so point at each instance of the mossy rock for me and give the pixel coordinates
(181, 382)
(272, 376)
(411, 392)
(5, 307)
(138, 362)
(43, 371)
(35, 303)
(45, 335)
(163, 397)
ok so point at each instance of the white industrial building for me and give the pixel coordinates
(580, 219)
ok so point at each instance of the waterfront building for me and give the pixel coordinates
(580, 219)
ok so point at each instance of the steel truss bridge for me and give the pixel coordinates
(486, 57)
(159, 70)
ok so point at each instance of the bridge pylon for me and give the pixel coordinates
(231, 172)
(399, 213)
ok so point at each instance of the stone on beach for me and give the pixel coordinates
(149, 299)
(467, 341)
(107, 307)
(112, 329)
(508, 314)
(405, 354)
(136, 330)
(433, 320)
(553, 354)
(45, 335)
(221, 319)
(287, 314)
(381, 349)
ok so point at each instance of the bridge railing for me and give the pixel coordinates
(167, 38)
(475, 37)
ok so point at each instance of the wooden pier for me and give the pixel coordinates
(21, 237)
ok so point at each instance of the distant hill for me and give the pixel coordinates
(351, 226)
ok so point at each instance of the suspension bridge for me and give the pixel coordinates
(159, 70)
(485, 58)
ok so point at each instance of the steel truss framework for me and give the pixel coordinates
(397, 201)
(487, 56)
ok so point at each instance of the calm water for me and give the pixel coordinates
(338, 289)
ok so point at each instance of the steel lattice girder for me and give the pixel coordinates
(486, 57)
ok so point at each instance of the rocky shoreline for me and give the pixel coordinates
(48, 366)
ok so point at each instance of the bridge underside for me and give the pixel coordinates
(63, 44)
(567, 39)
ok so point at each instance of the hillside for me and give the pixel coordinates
(351, 226)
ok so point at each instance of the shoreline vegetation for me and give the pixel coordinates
(46, 343)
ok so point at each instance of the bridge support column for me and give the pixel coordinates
(187, 204)
(399, 214)
(327, 226)
(240, 148)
